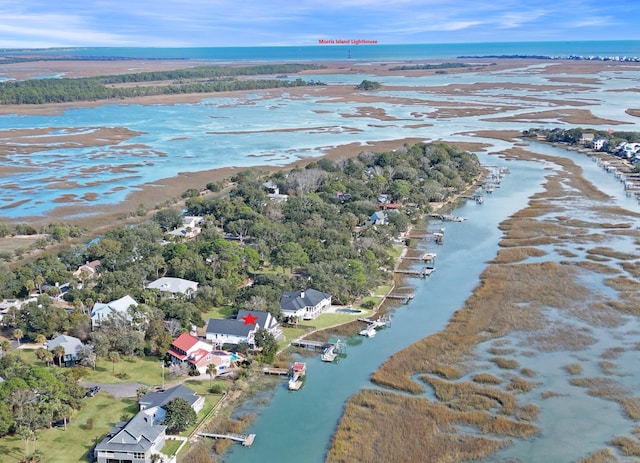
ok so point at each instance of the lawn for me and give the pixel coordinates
(218, 312)
(146, 370)
(72, 445)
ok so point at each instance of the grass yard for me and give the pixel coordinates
(218, 312)
(146, 370)
(72, 445)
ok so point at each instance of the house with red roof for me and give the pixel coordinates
(189, 349)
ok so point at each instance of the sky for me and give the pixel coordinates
(212, 23)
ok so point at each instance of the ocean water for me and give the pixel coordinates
(630, 48)
(278, 129)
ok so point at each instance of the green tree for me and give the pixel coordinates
(58, 351)
(17, 335)
(211, 371)
(179, 415)
(267, 344)
(290, 255)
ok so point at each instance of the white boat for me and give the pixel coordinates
(329, 354)
(369, 331)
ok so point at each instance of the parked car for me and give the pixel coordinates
(60, 423)
(92, 391)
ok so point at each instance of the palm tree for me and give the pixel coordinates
(5, 345)
(211, 371)
(114, 357)
(17, 335)
(41, 339)
(58, 351)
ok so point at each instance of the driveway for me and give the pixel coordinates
(119, 390)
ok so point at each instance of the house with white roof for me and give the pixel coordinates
(174, 285)
(119, 307)
(304, 304)
(70, 345)
(189, 228)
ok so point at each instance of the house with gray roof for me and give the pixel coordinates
(221, 331)
(144, 435)
(243, 328)
(119, 307)
(162, 397)
(134, 441)
(174, 286)
(70, 345)
(304, 304)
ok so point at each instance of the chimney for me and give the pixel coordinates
(302, 294)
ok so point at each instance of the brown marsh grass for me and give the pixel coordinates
(600, 456)
(430, 428)
(528, 372)
(486, 378)
(512, 255)
(608, 252)
(628, 446)
(612, 352)
(501, 350)
(597, 267)
(573, 368)
(608, 368)
(506, 364)
(519, 385)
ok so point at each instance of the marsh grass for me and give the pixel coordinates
(519, 385)
(600, 456)
(512, 255)
(609, 252)
(506, 364)
(528, 372)
(486, 378)
(573, 368)
(628, 446)
(608, 368)
(597, 267)
(549, 394)
(430, 428)
(501, 351)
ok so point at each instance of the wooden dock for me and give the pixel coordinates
(424, 272)
(275, 371)
(446, 217)
(307, 344)
(427, 257)
(245, 439)
(405, 298)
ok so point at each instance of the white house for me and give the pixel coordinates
(88, 269)
(119, 307)
(174, 285)
(305, 304)
(242, 328)
(70, 345)
(190, 227)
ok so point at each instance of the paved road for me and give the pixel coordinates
(119, 390)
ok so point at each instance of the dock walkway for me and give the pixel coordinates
(245, 439)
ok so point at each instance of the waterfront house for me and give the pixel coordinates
(242, 329)
(599, 143)
(174, 286)
(117, 308)
(70, 346)
(162, 397)
(230, 331)
(189, 349)
(304, 304)
(134, 441)
(261, 320)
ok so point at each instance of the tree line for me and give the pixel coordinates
(202, 79)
